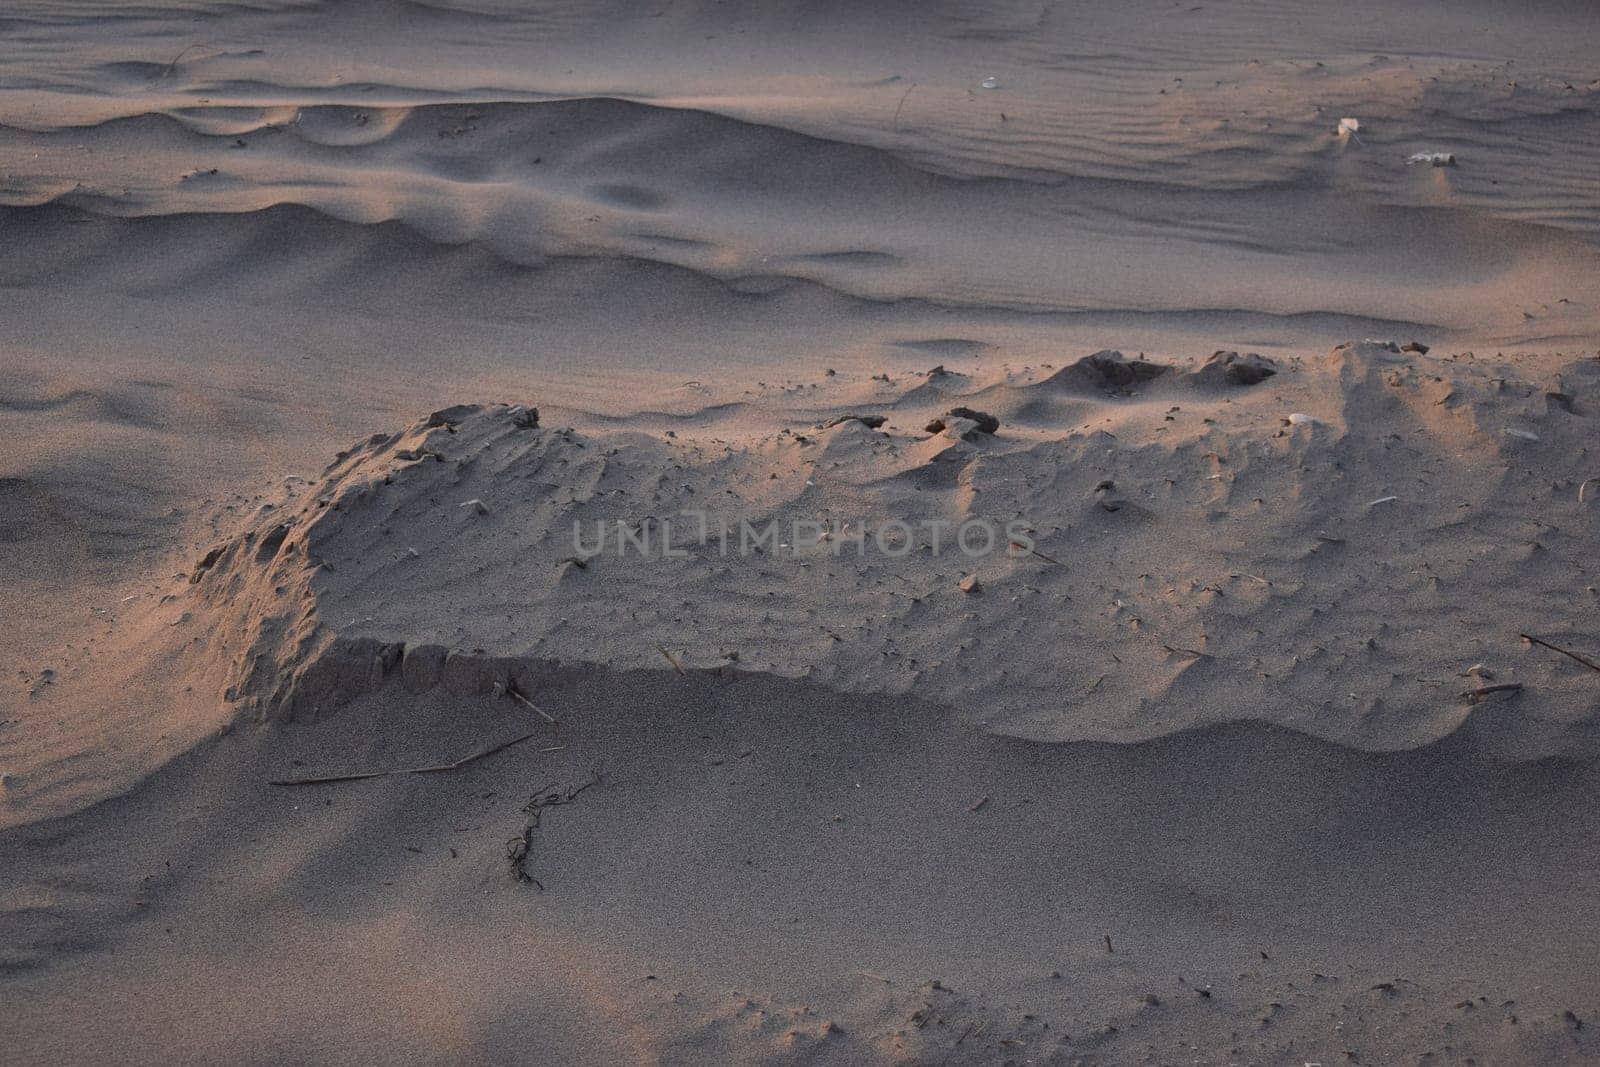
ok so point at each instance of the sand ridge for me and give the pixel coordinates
(1188, 555)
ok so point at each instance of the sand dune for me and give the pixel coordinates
(535, 182)
(1226, 567)
(335, 332)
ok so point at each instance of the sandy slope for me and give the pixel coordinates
(1198, 783)
(1149, 556)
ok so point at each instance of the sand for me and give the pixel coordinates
(326, 325)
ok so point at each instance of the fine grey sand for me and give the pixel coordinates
(1264, 730)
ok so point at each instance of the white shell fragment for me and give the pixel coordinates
(1436, 159)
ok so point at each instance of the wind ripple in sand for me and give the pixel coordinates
(537, 181)
(237, 237)
(1157, 164)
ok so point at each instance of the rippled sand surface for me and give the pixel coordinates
(1245, 758)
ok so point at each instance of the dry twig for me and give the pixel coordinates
(517, 848)
(895, 122)
(515, 694)
(357, 776)
(1036, 552)
(672, 660)
(1475, 695)
(1591, 664)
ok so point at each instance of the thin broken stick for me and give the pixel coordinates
(1475, 695)
(357, 776)
(1591, 664)
(895, 122)
(511, 691)
(170, 67)
(672, 660)
(1036, 552)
